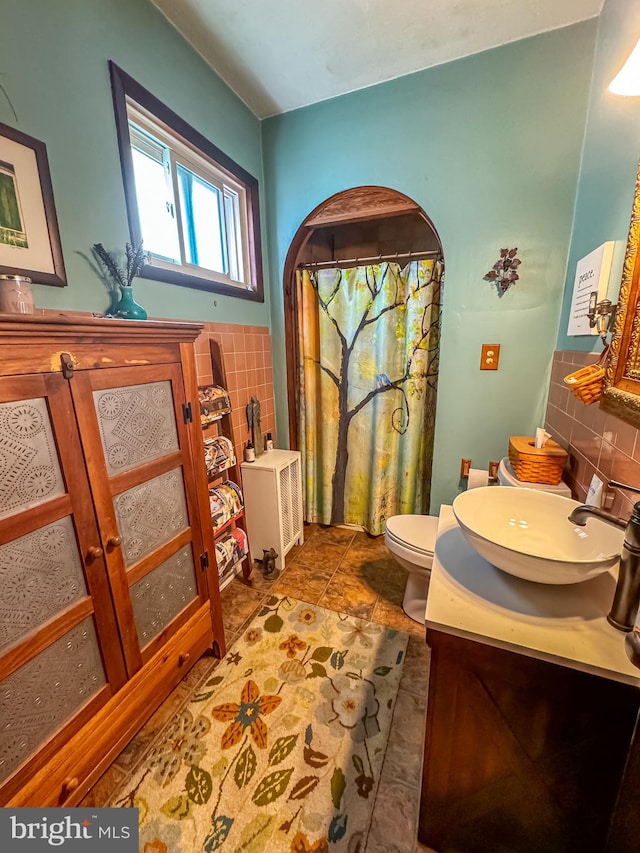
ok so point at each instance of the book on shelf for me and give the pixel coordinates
(219, 454)
(214, 402)
(225, 502)
(230, 550)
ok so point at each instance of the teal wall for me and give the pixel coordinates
(610, 159)
(490, 147)
(53, 64)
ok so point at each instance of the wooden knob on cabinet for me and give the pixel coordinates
(94, 552)
(183, 658)
(113, 542)
(69, 785)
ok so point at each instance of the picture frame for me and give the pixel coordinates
(29, 237)
(621, 384)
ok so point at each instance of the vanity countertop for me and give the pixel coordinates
(567, 625)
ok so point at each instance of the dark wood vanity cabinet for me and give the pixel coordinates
(521, 755)
(108, 585)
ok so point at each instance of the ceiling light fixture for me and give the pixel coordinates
(627, 80)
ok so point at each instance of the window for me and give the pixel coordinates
(195, 210)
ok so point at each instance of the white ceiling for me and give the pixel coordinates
(285, 54)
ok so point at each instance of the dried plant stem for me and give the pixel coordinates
(135, 260)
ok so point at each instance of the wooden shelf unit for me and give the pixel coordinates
(222, 426)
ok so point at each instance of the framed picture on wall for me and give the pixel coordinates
(29, 236)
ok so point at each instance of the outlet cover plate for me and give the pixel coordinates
(489, 356)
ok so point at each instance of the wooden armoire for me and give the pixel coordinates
(108, 584)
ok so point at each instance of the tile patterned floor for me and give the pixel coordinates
(349, 571)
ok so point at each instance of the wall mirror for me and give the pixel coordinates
(621, 390)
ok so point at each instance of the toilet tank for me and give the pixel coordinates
(507, 477)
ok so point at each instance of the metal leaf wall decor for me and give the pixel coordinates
(505, 270)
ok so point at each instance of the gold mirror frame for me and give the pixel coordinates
(621, 388)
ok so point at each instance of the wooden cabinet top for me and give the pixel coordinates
(38, 343)
(50, 326)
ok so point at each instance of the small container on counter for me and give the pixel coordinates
(15, 295)
(268, 442)
(249, 452)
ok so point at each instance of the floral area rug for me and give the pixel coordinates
(282, 748)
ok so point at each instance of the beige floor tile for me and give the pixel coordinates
(393, 616)
(365, 540)
(307, 585)
(261, 583)
(395, 819)
(380, 572)
(321, 554)
(403, 758)
(359, 554)
(415, 672)
(290, 556)
(334, 535)
(348, 594)
(238, 603)
(231, 638)
(294, 553)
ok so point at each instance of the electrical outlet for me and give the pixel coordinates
(489, 356)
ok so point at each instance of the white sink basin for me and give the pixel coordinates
(526, 533)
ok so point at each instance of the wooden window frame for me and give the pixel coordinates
(124, 87)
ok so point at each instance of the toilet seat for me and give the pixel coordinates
(416, 533)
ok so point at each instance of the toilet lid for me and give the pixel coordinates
(417, 532)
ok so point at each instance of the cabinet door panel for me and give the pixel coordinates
(150, 514)
(40, 576)
(29, 469)
(132, 427)
(137, 424)
(45, 693)
(162, 593)
(59, 650)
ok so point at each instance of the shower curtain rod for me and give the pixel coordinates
(376, 259)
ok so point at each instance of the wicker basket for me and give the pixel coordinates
(586, 383)
(536, 464)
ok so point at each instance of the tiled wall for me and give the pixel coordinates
(246, 351)
(597, 442)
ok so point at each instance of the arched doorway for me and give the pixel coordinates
(380, 247)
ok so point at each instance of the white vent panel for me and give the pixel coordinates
(273, 502)
(285, 506)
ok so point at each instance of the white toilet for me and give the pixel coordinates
(412, 539)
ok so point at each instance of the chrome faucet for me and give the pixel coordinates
(627, 595)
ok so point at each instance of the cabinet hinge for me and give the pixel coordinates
(68, 365)
(187, 414)
(204, 561)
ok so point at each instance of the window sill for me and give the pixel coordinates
(198, 283)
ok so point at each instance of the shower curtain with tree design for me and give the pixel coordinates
(368, 373)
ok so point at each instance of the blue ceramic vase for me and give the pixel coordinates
(114, 296)
(128, 308)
